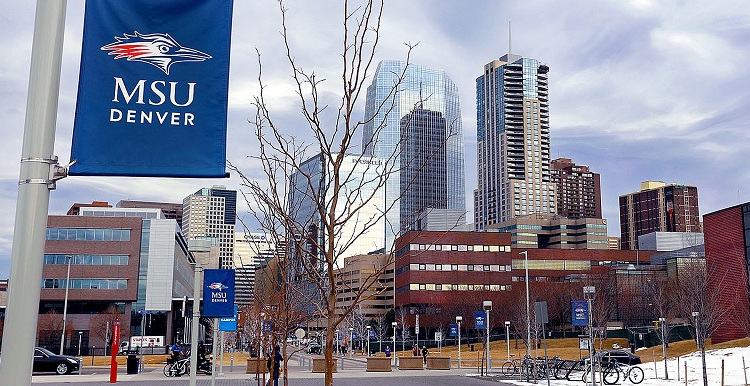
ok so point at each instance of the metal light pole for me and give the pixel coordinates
(528, 313)
(664, 346)
(80, 338)
(65, 305)
(487, 305)
(394, 324)
(368, 340)
(695, 318)
(588, 293)
(507, 336)
(351, 340)
(197, 286)
(34, 186)
(338, 347)
(459, 319)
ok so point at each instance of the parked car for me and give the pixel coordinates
(47, 361)
(314, 348)
(619, 355)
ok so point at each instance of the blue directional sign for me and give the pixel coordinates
(354, 336)
(229, 324)
(479, 320)
(267, 326)
(580, 313)
(453, 330)
(372, 334)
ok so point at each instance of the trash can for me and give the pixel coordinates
(472, 347)
(132, 364)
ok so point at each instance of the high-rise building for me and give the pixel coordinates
(513, 142)
(579, 194)
(658, 207)
(250, 250)
(210, 214)
(413, 125)
(546, 231)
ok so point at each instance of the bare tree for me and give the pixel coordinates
(101, 325)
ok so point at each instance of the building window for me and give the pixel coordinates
(57, 259)
(454, 267)
(438, 267)
(422, 267)
(469, 267)
(88, 234)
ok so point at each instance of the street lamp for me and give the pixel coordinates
(65, 305)
(487, 305)
(528, 313)
(80, 338)
(368, 340)
(588, 293)
(351, 339)
(507, 336)
(695, 319)
(338, 348)
(459, 319)
(394, 324)
(664, 346)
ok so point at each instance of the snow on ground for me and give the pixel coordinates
(733, 370)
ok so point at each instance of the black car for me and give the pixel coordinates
(47, 361)
(621, 356)
(314, 348)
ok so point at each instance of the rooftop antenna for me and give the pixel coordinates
(509, 40)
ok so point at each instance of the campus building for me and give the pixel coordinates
(513, 142)
(658, 207)
(360, 271)
(555, 232)
(413, 125)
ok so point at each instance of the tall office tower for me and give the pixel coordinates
(513, 143)
(658, 207)
(250, 251)
(414, 127)
(579, 194)
(210, 214)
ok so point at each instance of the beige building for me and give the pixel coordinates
(359, 271)
(555, 232)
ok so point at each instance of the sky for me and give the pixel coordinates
(639, 90)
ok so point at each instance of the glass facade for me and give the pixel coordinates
(88, 234)
(53, 259)
(87, 283)
(414, 127)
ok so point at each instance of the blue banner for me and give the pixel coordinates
(453, 330)
(153, 89)
(218, 293)
(372, 334)
(580, 312)
(229, 324)
(479, 320)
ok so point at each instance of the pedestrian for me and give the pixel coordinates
(388, 351)
(175, 351)
(414, 350)
(274, 362)
(424, 354)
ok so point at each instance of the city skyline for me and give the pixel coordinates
(638, 90)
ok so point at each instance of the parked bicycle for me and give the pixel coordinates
(612, 370)
(177, 368)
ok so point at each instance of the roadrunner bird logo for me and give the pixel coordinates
(158, 49)
(218, 286)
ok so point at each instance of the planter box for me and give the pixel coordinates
(256, 365)
(438, 363)
(410, 363)
(378, 364)
(319, 365)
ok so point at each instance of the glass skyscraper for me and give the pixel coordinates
(414, 127)
(513, 143)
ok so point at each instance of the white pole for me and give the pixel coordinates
(213, 350)
(487, 346)
(33, 194)
(65, 305)
(198, 273)
(221, 362)
(507, 337)
(459, 344)
(528, 313)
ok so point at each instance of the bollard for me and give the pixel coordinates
(678, 368)
(744, 370)
(685, 373)
(93, 354)
(722, 371)
(231, 362)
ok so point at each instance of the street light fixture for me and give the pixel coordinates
(664, 346)
(351, 338)
(394, 324)
(528, 312)
(459, 319)
(588, 294)
(487, 305)
(65, 305)
(695, 319)
(368, 340)
(507, 336)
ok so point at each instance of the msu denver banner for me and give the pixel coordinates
(152, 92)
(218, 293)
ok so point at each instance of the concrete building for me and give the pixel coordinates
(513, 142)
(613, 242)
(359, 271)
(416, 132)
(124, 262)
(555, 232)
(169, 209)
(727, 233)
(669, 241)
(658, 207)
(579, 192)
(211, 213)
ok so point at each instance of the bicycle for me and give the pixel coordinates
(612, 371)
(177, 368)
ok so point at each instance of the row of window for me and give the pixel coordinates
(459, 247)
(87, 283)
(53, 259)
(458, 267)
(554, 265)
(88, 234)
(457, 287)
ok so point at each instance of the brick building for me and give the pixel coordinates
(579, 192)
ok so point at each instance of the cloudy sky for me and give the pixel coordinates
(639, 90)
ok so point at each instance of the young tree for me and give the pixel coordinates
(101, 325)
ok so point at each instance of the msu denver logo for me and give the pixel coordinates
(158, 49)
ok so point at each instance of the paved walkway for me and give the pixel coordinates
(353, 374)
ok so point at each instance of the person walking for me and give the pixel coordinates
(424, 354)
(388, 351)
(414, 350)
(274, 362)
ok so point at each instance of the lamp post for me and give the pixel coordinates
(695, 320)
(394, 324)
(664, 346)
(65, 305)
(487, 305)
(507, 336)
(528, 313)
(588, 294)
(338, 348)
(80, 338)
(351, 340)
(368, 340)
(459, 319)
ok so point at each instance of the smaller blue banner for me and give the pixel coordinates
(453, 330)
(479, 320)
(218, 293)
(372, 334)
(229, 324)
(580, 313)
(267, 326)
(354, 336)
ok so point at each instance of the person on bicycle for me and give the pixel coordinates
(175, 351)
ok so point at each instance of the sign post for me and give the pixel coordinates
(115, 348)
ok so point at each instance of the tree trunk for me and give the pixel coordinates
(703, 359)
